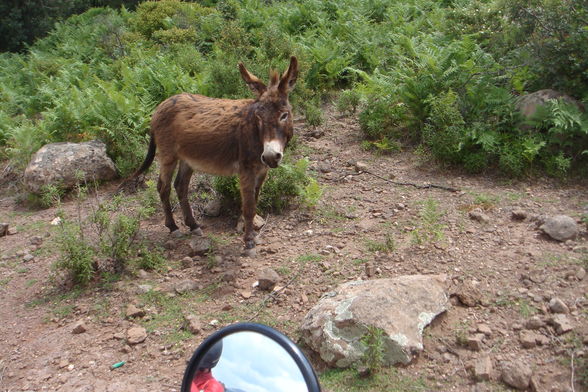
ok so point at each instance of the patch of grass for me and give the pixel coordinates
(283, 270)
(329, 213)
(30, 282)
(389, 380)
(305, 258)
(461, 333)
(485, 201)
(526, 309)
(387, 245)
(5, 281)
(22, 270)
(359, 261)
(63, 311)
(373, 356)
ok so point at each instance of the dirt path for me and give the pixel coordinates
(364, 227)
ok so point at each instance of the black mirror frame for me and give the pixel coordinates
(303, 364)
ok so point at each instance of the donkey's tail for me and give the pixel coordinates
(131, 184)
(148, 159)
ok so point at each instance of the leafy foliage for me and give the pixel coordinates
(439, 75)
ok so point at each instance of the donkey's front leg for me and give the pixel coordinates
(248, 207)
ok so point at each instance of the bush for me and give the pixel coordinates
(287, 183)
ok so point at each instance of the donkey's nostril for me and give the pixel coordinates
(279, 156)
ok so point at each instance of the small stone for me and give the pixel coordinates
(361, 166)
(28, 257)
(12, 231)
(516, 374)
(268, 278)
(580, 273)
(187, 262)
(258, 223)
(79, 327)
(134, 312)
(485, 329)
(3, 229)
(136, 335)
(483, 369)
(528, 339)
(561, 323)
(534, 323)
(144, 288)
(213, 208)
(192, 323)
(556, 305)
(55, 222)
(246, 294)
(170, 244)
(36, 240)
(479, 216)
(142, 274)
(200, 246)
(186, 285)
(229, 276)
(250, 253)
(519, 214)
(475, 342)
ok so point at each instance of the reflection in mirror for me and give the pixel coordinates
(248, 361)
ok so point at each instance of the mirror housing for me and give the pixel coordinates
(253, 352)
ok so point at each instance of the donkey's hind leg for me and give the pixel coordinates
(182, 184)
(166, 171)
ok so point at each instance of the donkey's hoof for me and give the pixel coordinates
(251, 253)
(176, 234)
(197, 231)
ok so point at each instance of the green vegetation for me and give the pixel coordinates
(373, 356)
(107, 242)
(442, 76)
(429, 228)
(386, 380)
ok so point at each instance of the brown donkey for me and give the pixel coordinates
(222, 137)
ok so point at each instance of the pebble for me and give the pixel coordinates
(483, 369)
(556, 305)
(136, 335)
(516, 374)
(79, 327)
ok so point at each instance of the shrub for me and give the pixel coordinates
(287, 183)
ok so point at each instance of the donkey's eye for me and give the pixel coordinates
(284, 116)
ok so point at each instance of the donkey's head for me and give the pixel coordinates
(272, 110)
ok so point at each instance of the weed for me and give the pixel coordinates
(373, 342)
(30, 282)
(385, 246)
(348, 101)
(461, 334)
(429, 228)
(388, 379)
(313, 258)
(485, 201)
(525, 309)
(63, 311)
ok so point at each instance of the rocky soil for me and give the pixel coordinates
(519, 297)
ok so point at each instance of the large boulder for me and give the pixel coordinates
(402, 307)
(66, 164)
(560, 227)
(528, 104)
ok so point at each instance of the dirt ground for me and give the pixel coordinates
(364, 227)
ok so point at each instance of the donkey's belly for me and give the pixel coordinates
(215, 168)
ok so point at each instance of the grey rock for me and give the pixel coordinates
(79, 327)
(361, 166)
(268, 278)
(66, 164)
(516, 374)
(136, 335)
(560, 227)
(534, 323)
(200, 246)
(479, 216)
(556, 305)
(213, 207)
(528, 104)
(528, 339)
(483, 369)
(144, 288)
(28, 257)
(192, 323)
(3, 229)
(561, 323)
(401, 307)
(36, 240)
(186, 285)
(580, 273)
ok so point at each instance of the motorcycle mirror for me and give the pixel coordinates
(249, 357)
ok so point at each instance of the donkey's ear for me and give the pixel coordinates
(289, 78)
(256, 85)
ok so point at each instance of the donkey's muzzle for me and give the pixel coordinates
(272, 154)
